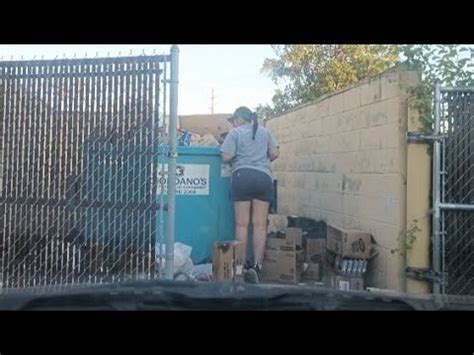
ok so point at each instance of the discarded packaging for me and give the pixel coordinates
(215, 124)
(344, 281)
(183, 264)
(313, 272)
(227, 261)
(294, 235)
(315, 247)
(284, 258)
(285, 265)
(207, 140)
(349, 243)
(203, 272)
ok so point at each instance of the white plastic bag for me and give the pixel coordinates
(203, 272)
(183, 263)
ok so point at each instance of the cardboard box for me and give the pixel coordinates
(315, 247)
(349, 243)
(207, 140)
(289, 237)
(227, 261)
(215, 124)
(285, 266)
(313, 272)
(348, 283)
(276, 244)
(284, 257)
(340, 281)
(294, 235)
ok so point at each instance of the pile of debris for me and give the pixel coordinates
(187, 138)
(301, 250)
(314, 252)
(348, 253)
(294, 250)
(203, 130)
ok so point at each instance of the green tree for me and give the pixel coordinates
(450, 65)
(309, 71)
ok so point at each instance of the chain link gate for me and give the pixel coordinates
(79, 144)
(453, 191)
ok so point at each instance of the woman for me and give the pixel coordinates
(250, 149)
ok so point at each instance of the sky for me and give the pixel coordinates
(232, 70)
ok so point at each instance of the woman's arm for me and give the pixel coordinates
(226, 157)
(273, 147)
(274, 154)
(229, 147)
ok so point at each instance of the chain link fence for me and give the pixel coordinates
(454, 192)
(79, 144)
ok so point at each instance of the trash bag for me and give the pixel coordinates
(183, 264)
(203, 272)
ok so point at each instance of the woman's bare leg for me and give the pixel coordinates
(242, 217)
(259, 220)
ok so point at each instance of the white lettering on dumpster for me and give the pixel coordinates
(191, 179)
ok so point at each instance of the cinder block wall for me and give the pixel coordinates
(344, 160)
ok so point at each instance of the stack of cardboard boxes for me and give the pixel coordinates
(347, 257)
(284, 257)
(294, 250)
(305, 250)
(302, 250)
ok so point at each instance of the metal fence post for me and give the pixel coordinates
(172, 162)
(436, 192)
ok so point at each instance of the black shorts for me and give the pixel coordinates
(251, 184)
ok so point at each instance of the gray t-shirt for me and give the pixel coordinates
(249, 153)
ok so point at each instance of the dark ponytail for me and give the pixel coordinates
(255, 124)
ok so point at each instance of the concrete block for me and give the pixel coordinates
(370, 138)
(323, 163)
(343, 122)
(336, 104)
(349, 222)
(360, 118)
(373, 184)
(390, 86)
(391, 136)
(329, 125)
(377, 114)
(330, 217)
(331, 201)
(351, 205)
(352, 98)
(381, 209)
(393, 110)
(377, 161)
(328, 182)
(314, 128)
(370, 92)
(304, 163)
(322, 145)
(323, 108)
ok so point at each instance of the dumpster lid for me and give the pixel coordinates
(195, 150)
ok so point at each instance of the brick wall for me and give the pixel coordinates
(344, 160)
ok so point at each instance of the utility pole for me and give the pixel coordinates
(212, 101)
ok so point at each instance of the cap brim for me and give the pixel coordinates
(230, 119)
